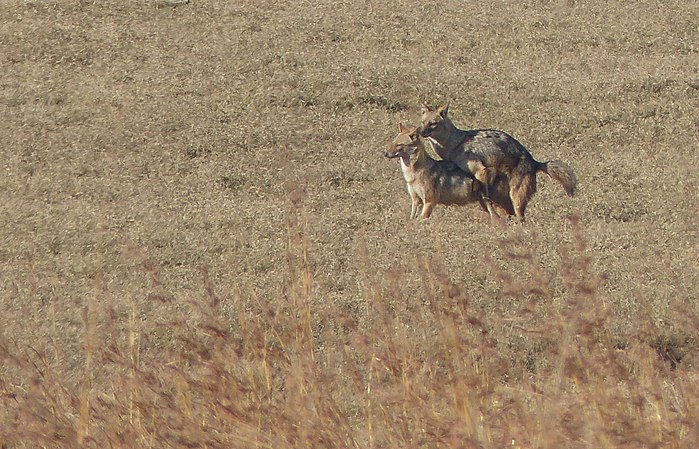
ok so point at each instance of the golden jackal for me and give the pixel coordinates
(433, 182)
(493, 156)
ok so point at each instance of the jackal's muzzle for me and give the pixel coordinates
(426, 131)
(392, 154)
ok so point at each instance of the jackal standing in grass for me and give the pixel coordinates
(431, 182)
(492, 156)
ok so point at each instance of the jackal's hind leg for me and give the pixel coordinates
(521, 191)
(483, 175)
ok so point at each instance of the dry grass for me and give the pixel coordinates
(202, 246)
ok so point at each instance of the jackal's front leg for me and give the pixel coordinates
(415, 206)
(427, 209)
(414, 210)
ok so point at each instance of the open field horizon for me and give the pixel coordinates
(166, 168)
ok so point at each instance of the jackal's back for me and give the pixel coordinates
(496, 149)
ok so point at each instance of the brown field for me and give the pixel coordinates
(202, 246)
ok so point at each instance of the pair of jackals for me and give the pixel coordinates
(486, 166)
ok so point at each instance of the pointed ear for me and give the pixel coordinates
(443, 110)
(402, 128)
(425, 107)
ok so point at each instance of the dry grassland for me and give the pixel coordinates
(202, 246)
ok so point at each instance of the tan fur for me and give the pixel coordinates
(431, 182)
(494, 157)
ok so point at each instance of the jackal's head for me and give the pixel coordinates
(405, 144)
(436, 122)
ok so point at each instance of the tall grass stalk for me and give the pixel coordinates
(419, 365)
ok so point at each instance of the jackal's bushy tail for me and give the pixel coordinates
(561, 172)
